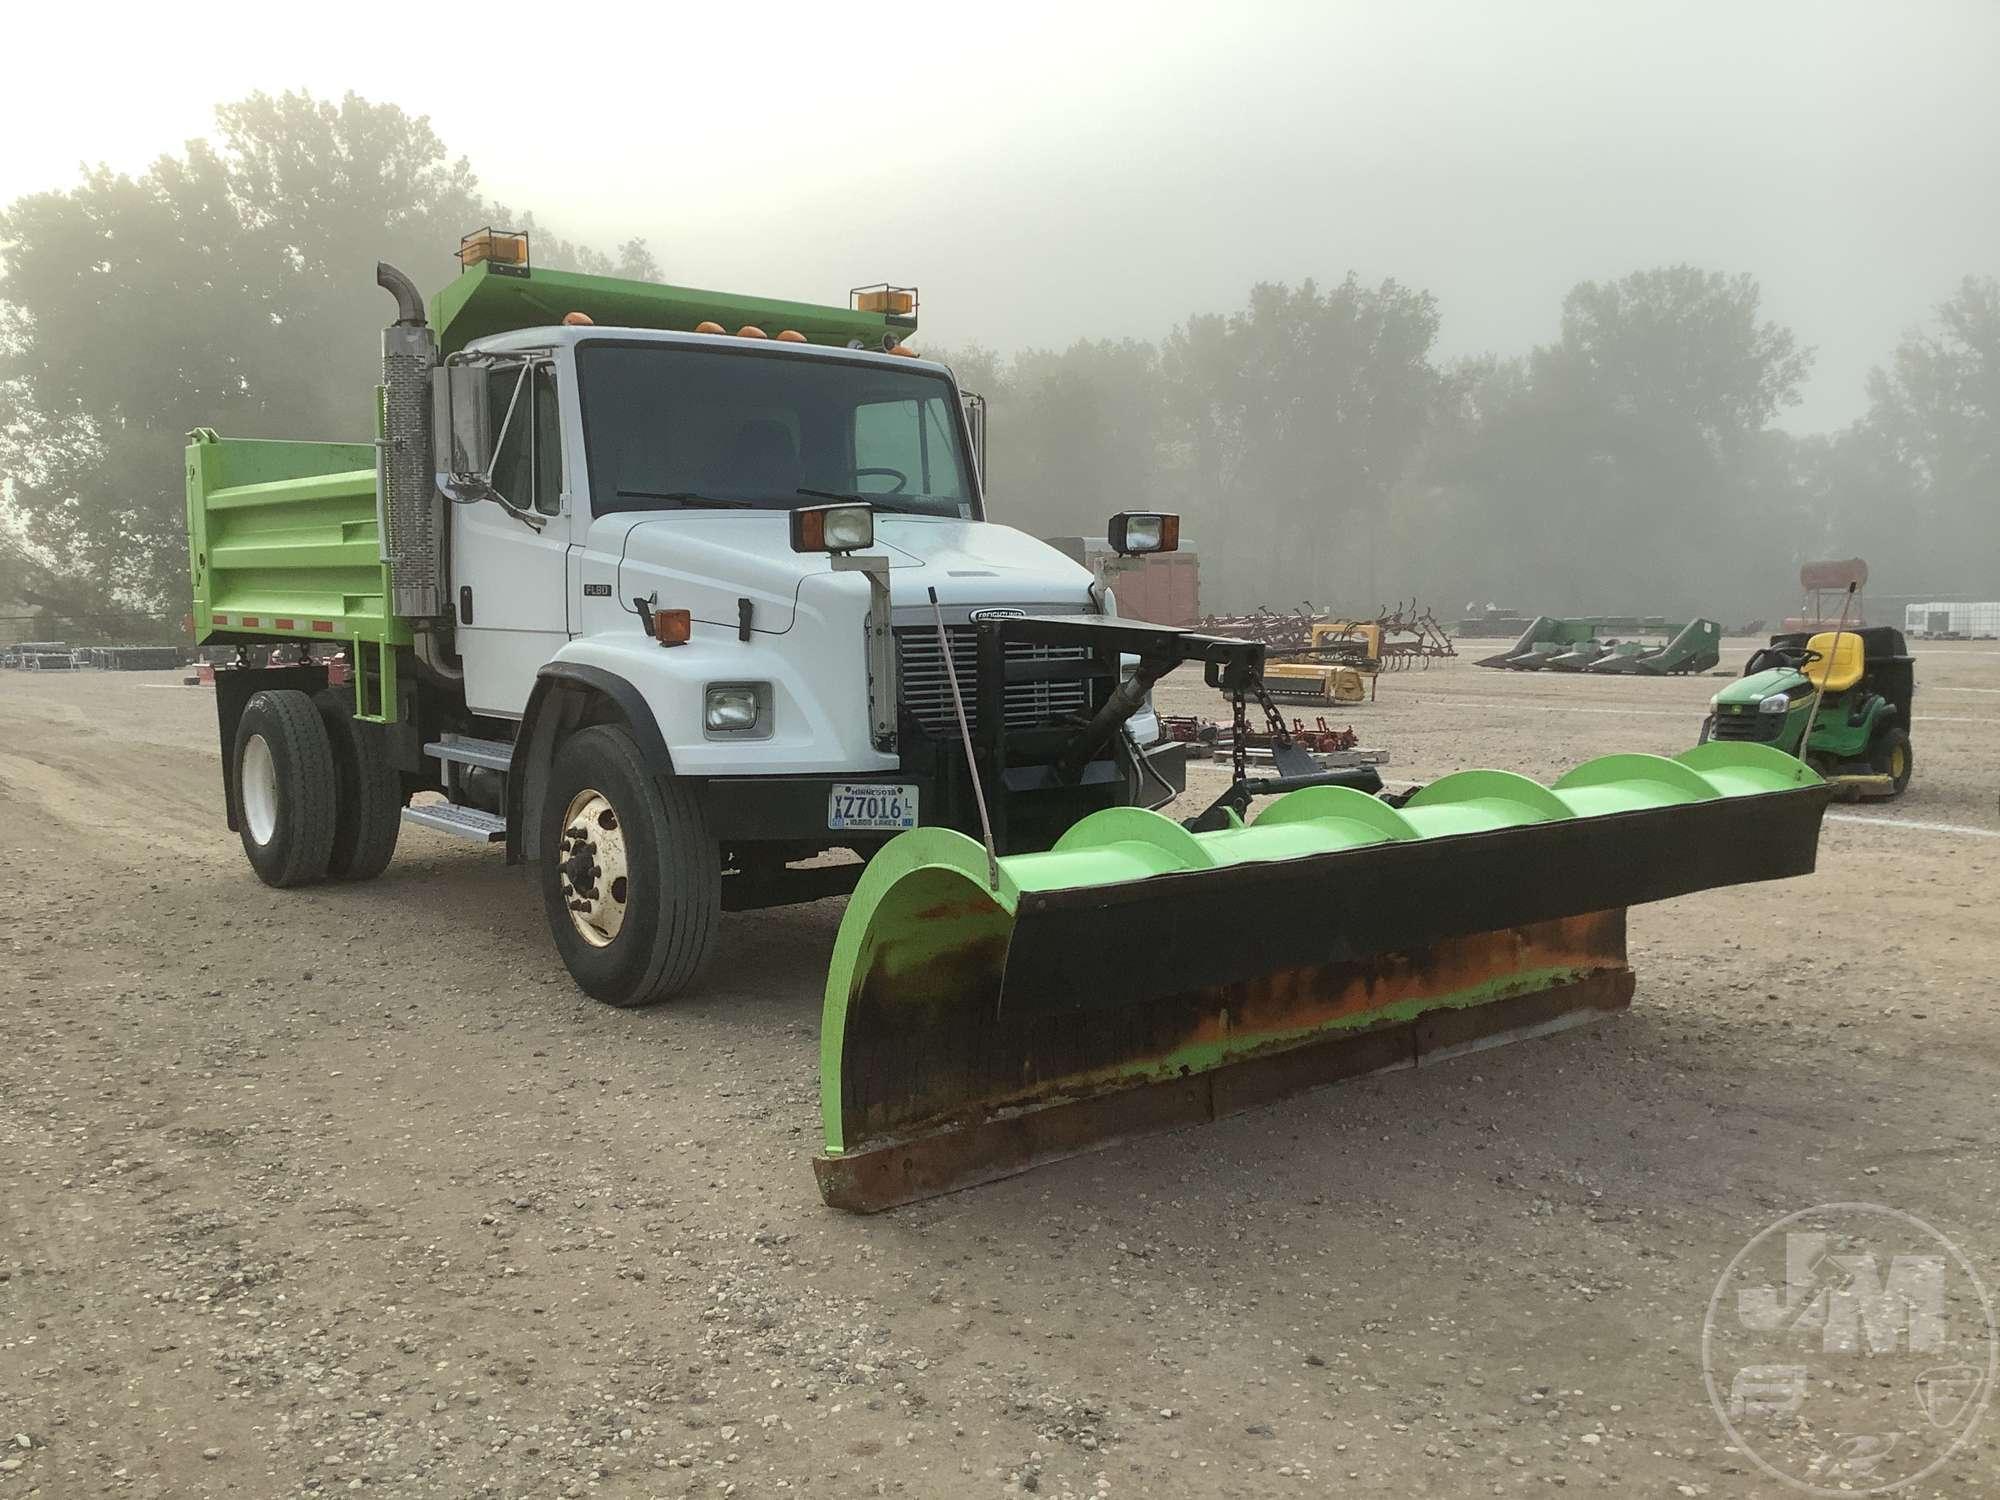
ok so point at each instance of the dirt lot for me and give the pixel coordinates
(349, 1190)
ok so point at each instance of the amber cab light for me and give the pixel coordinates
(673, 627)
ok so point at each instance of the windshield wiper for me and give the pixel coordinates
(875, 502)
(688, 498)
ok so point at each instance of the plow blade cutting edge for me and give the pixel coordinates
(1139, 976)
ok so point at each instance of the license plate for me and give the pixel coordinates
(871, 805)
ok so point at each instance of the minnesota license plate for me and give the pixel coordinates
(871, 805)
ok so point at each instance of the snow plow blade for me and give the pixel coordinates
(1139, 976)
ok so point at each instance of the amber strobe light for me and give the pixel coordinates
(499, 247)
(896, 301)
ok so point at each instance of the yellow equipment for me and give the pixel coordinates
(1343, 661)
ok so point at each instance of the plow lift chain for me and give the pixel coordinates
(1241, 678)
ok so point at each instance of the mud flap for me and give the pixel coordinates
(1138, 975)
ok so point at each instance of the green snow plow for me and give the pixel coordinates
(981, 1018)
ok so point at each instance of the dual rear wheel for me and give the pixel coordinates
(316, 797)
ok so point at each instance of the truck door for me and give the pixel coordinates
(509, 562)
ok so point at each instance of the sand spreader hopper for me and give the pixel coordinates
(983, 1018)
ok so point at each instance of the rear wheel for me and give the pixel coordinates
(1890, 757)
(368, 813)
(631, 878)
(285, 788)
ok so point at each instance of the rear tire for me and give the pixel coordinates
(631, 877)
(285, 788)
(368, 812)
(1890, 756)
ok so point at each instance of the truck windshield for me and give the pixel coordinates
(668, 427)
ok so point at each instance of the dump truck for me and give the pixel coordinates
(692, 602)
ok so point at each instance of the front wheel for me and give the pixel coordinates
(1890, 757)
(631, 878)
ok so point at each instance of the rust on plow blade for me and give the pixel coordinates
(1140, 974)
(1281, 1034)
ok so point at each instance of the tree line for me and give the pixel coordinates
(1318, 449)
(1316, 443)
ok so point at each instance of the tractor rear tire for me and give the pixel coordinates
(1890, 756)
(285, 787)
(631, 877)
(368, 813)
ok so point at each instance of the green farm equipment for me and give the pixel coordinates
(1600, 643)
(1838, 699)
(1694, 647)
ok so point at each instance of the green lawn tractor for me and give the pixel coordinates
(1849, 689)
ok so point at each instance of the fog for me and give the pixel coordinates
(1049, 174)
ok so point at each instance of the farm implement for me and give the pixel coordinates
(1594, 645)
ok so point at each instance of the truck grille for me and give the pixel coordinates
(926, 688)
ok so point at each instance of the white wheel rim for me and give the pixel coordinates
(591, 868)
(258, 776)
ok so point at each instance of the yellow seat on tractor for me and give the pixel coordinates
(1837, 670)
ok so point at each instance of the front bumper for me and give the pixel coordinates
(793, 809)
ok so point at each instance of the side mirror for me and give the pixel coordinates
(975, 423)
(462, 436)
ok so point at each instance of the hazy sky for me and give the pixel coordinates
(1049, 172)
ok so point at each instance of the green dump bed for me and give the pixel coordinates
(283, 540)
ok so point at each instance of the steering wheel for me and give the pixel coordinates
(1798, 658)
(902, 479)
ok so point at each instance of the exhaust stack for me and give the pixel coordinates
(408, 506)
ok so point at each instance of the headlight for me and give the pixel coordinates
(1777, 703)
(733, 707)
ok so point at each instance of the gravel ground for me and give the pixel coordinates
(347, 1190)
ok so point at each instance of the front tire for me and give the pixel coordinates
(1890, 756)
(631, 877)
(285, 788)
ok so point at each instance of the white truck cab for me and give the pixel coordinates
(641, 467)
